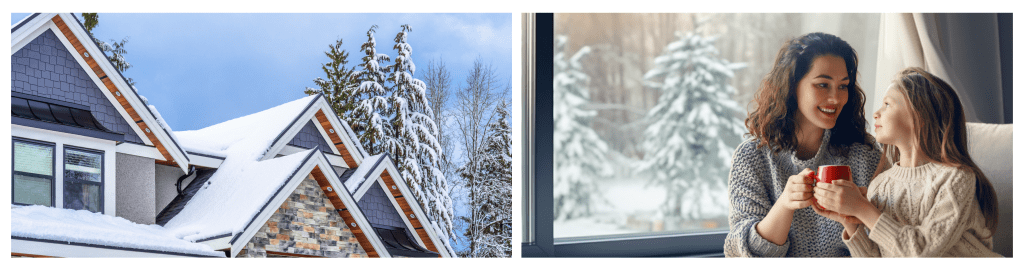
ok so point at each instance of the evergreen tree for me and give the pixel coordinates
(413, 139)
(369, 121)
(493, 184)
(339, 89)
(580, 156)
(687, 144)
(114, 51)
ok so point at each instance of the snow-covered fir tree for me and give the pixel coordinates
(580, 156)
(490, 224)
(114, 51)
(339, 89)
(413, 141)
(368, 119)
(693, 128)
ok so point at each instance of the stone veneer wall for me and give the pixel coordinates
(305, 224)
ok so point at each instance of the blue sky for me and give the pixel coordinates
(201, 69)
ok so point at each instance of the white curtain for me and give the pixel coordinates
(962, 49)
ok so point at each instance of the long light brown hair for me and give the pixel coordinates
(773, 121)
(941, 128)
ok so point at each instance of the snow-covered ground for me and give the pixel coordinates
(633, 207)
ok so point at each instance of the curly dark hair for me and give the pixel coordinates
(773, 123)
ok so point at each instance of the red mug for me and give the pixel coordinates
(829, 173)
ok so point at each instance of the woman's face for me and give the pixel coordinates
(894, 120)
(822, 93)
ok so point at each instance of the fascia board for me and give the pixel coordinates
(290, 131)
(413, 204)
(31, 29)
(170, 145)
(357, 213)
(369, 180)
(332, 117)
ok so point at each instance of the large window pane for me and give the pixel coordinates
(32, 178)
(83, 180)
(648, 109)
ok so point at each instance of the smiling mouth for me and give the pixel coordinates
(827, 111)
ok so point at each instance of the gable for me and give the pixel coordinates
(305, 225)
(310, 138)
(45, 68)
(378, 209)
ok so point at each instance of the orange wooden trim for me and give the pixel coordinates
(339, 206)
(91, 61)
(404, 203)
(292, 254)
(335, 138)
(31, 255)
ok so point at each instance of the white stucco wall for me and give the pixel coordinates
(136, 188)
(166, 176)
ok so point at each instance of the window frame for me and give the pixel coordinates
(539, 182)
(53, 168)
(65, 180)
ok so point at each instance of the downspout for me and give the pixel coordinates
(191, 171)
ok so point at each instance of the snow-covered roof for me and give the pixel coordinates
(249, 136)
(359, 175)
(242, 183)
(233, 196)
(85, 227)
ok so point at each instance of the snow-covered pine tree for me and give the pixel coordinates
(413, 141)
(369, 121)
(339, 89)
(496, 223)
(580, 156)
(693, 128)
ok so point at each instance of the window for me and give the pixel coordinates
(33, 173)
(614, 176)
(83, 179)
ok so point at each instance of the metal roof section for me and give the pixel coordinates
(398, 243)
(58, 116)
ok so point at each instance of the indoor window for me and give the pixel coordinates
(83, 180)
(33, 173)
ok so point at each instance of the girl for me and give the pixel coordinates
(933, 201)
(809, 111)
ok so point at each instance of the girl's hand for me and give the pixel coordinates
(841, 196)
(848, 221)
(798, 191)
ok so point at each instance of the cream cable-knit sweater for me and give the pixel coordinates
(927, 211)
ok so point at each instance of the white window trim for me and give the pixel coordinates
(60, 141)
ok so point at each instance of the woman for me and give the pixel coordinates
(809, 111)
(933, 201)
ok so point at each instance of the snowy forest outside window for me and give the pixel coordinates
(83, 180)
(649, 108)
(32, 180)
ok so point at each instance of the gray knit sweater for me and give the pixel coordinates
(757, 179)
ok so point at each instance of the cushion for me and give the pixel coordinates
(991, 147)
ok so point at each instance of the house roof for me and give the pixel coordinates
(133, 108)
(84, 227)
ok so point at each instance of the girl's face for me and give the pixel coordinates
(821, 94)
(894, 120)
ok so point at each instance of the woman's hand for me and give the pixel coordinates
(842, 197)
(798, 191)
